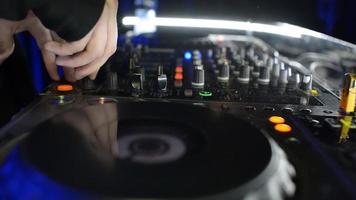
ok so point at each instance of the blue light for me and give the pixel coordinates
(188, 55)
(37, 67)
(19, 180)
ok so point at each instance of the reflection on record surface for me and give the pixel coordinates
(139, 150)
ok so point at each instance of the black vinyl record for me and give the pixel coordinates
(148, 150)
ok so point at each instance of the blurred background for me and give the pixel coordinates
(333, 17)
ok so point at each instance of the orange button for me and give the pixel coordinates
(277, 120)
(65, 88)
(179, 69)
(283, 128)
(178, 76)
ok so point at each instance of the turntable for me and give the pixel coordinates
(194, 117)
(114, 149)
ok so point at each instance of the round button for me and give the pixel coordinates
(277, 120)
(65, 88)
(283, 128)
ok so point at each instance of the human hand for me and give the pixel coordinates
(85, 57)
(41, 34)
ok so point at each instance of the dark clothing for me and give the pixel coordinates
(70, 19)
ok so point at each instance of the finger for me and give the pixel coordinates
(96, 46)
(69, 74)
(50, 64)
(112, 39)
(95, 49)
(42, 35)
(62, 48)
(91, 68)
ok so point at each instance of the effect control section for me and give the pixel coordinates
(243, 73)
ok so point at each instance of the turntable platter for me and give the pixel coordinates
(136, 150)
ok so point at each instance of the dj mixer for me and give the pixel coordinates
(204, 117)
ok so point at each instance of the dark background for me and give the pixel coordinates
(333, 17)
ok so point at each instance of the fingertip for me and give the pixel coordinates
(62, 61)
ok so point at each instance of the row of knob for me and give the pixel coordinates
(243, 68)
(267, 71)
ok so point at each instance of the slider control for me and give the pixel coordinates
(199, 78)
(264, 76)
(162, 80)
(224, 74)
(348, 96)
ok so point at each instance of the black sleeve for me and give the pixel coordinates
(70, 19)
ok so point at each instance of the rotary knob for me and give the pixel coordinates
(244, 76)
(87, 84)
(283, 76)
(264, 77)
(294, 81)
(224, 74)
(111, 82)
(198, 78)
(276, 69)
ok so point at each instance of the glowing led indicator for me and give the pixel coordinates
(65, 88)
(188, 55)
(179, 76)
(205, 94)
(277, 120)
(283, 128)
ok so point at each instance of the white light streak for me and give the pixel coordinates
(217, 24)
